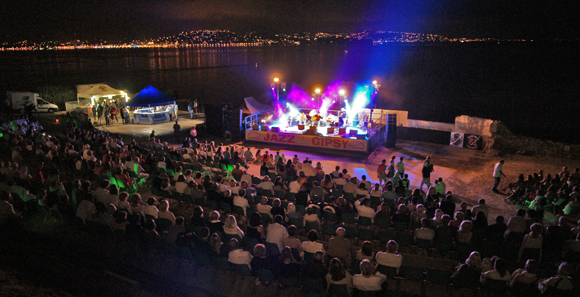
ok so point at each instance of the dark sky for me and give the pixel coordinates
(110, 19)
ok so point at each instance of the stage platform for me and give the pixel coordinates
(279, 134)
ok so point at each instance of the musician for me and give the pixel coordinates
(302, 118)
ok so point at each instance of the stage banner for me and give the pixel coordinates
(308, 140)
(457, 139)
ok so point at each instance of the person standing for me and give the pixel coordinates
(114, 113)
(176, 129)
(195, 105)
(391, 171)
(107, 115)
(175, 110)
(127, 115)
(381, 172)
(426, 172)
(401, 167)
(94, 110)
(190, 109)
(100, 111)
(122, 112)
(497, 173)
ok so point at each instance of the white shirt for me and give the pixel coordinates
(241, 202)
(180, 187)
(152, 211)
(275, 233)
(497, 170)
(294, 187)
(239, 256)
(389, 259)
(365, 211)
(308, 170)
(372, 283)
(246, 177)
(312, 246)
(167, 215)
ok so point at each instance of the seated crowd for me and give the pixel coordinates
(294, 225)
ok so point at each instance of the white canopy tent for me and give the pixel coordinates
(95, 91)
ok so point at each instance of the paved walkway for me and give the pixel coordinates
(162, 129)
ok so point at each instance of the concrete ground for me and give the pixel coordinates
(467, 173)
(162, 129)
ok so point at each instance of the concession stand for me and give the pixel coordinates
(151, 106)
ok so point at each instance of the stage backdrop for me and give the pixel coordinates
(338, 143)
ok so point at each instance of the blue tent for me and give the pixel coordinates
(149, 97)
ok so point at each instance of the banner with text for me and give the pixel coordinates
(308, 140)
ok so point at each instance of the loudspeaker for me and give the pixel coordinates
(301, 127)
(352, 133)
(391, 130)
(275, 129)
(341, 131)
(255, 127)
(330, 130)
(264, 128)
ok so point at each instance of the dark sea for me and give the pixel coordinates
(533, 87)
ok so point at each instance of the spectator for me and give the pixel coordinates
(264, 208)
(562, 282)
(339, 246)
(369, 279)
(337, 275)
(164, 212)
(151, 208)
(525, 281)
(365, 252)
(363, 207)
(276, 232)
(533, 242)
(464, 233)
(291, 241)
(237, 255)
(311, 246)
(424, 233)
(261, 263)
(231, 227)
(480, 207)
(391, 258)
(499, 272)
(468, 274)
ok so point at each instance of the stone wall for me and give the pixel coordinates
(520, 145)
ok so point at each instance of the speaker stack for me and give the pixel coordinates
(391, 130)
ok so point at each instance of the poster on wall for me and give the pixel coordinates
(457, 139)
(473, 142)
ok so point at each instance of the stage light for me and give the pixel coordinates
(317, 91)
(276, 79)
(312, 99)
(374, 82)
(342, 92)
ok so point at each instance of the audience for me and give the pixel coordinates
(117, 203)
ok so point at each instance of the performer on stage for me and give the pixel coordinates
(289, 121)
(316, 120)
(330, 120)
(302, 118)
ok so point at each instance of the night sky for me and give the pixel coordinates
(111, 19)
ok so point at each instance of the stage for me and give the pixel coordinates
(280, 134)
